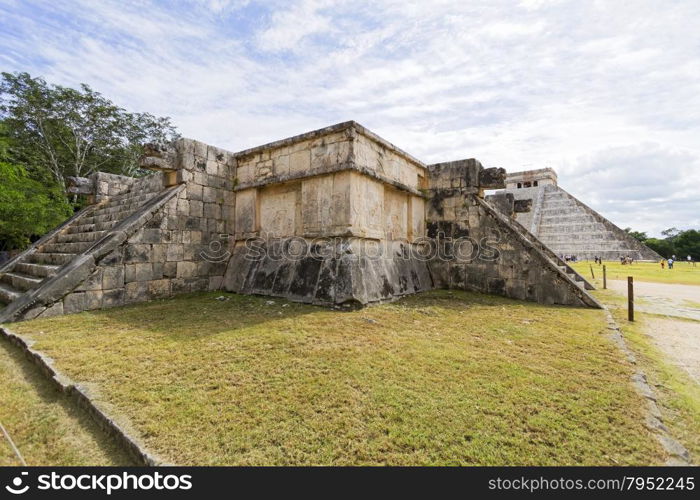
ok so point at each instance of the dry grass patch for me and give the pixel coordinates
(438, 378)
(46, 428)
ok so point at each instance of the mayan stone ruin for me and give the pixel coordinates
(565, 224)
(336, 217)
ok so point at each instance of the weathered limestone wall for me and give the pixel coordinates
(333, 271)
(340, 189)
(339, 181)
(158, 240)
(108, 185)
(337, 216)
(480, 250)
(168, 255)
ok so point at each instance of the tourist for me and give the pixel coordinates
(670, 262)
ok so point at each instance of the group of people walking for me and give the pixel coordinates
(629, 260)
(672, 260)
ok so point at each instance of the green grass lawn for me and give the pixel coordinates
(682, 272)
(438, 378)
(46, 428)
(679, 395)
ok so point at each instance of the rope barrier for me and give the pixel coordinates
(12, 444)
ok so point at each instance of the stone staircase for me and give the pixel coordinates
(568, 227)
(30, 269)
(580, 281)
(555, 273)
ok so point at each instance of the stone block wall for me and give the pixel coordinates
(372, 223)
(480, 250)
(344, 272)
(338, 181)
(342, 189)
(181, 247)
(107, 185)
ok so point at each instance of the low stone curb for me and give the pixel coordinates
(679, 455)
(79, 396)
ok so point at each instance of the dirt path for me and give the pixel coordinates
(680, 341)
(678, 338)
(663, 298)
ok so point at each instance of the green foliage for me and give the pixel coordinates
(661, 246)
(48, 133)
(671, 232)
(27, 207)
(637, 235)
(74, 132)
(676, 242)
(687, 243)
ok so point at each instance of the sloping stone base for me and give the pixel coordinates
(338, 271)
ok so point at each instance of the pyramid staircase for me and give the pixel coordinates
(568, 227)
(52, 254)
(565, 274)
(580, 281)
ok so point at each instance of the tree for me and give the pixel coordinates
(687, 243)
(637, 235)
(28, 207)
(661, 246)
(74, 132)
(671, 233)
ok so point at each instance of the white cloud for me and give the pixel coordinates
(572, 85)
(289, 26)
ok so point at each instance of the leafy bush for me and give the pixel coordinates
(28, 208)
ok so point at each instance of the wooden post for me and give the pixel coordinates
(605, 277)
(592, 275)
(630, 298)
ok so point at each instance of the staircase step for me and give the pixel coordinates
(86, 228)
(129, 196)
(73, 248)
(59, 259)
(128, 207)
(20, 281)
(79, 237)
(8, 294)
(37, 270)
(117, 216)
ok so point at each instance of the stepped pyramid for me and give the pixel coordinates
(566, 225)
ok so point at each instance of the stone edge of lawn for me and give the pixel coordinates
(82, 401)
(678, 454)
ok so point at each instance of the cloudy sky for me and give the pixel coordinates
(605, 92)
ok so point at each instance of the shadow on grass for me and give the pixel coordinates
(190, 317)
(49, 395)
(196, 315)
